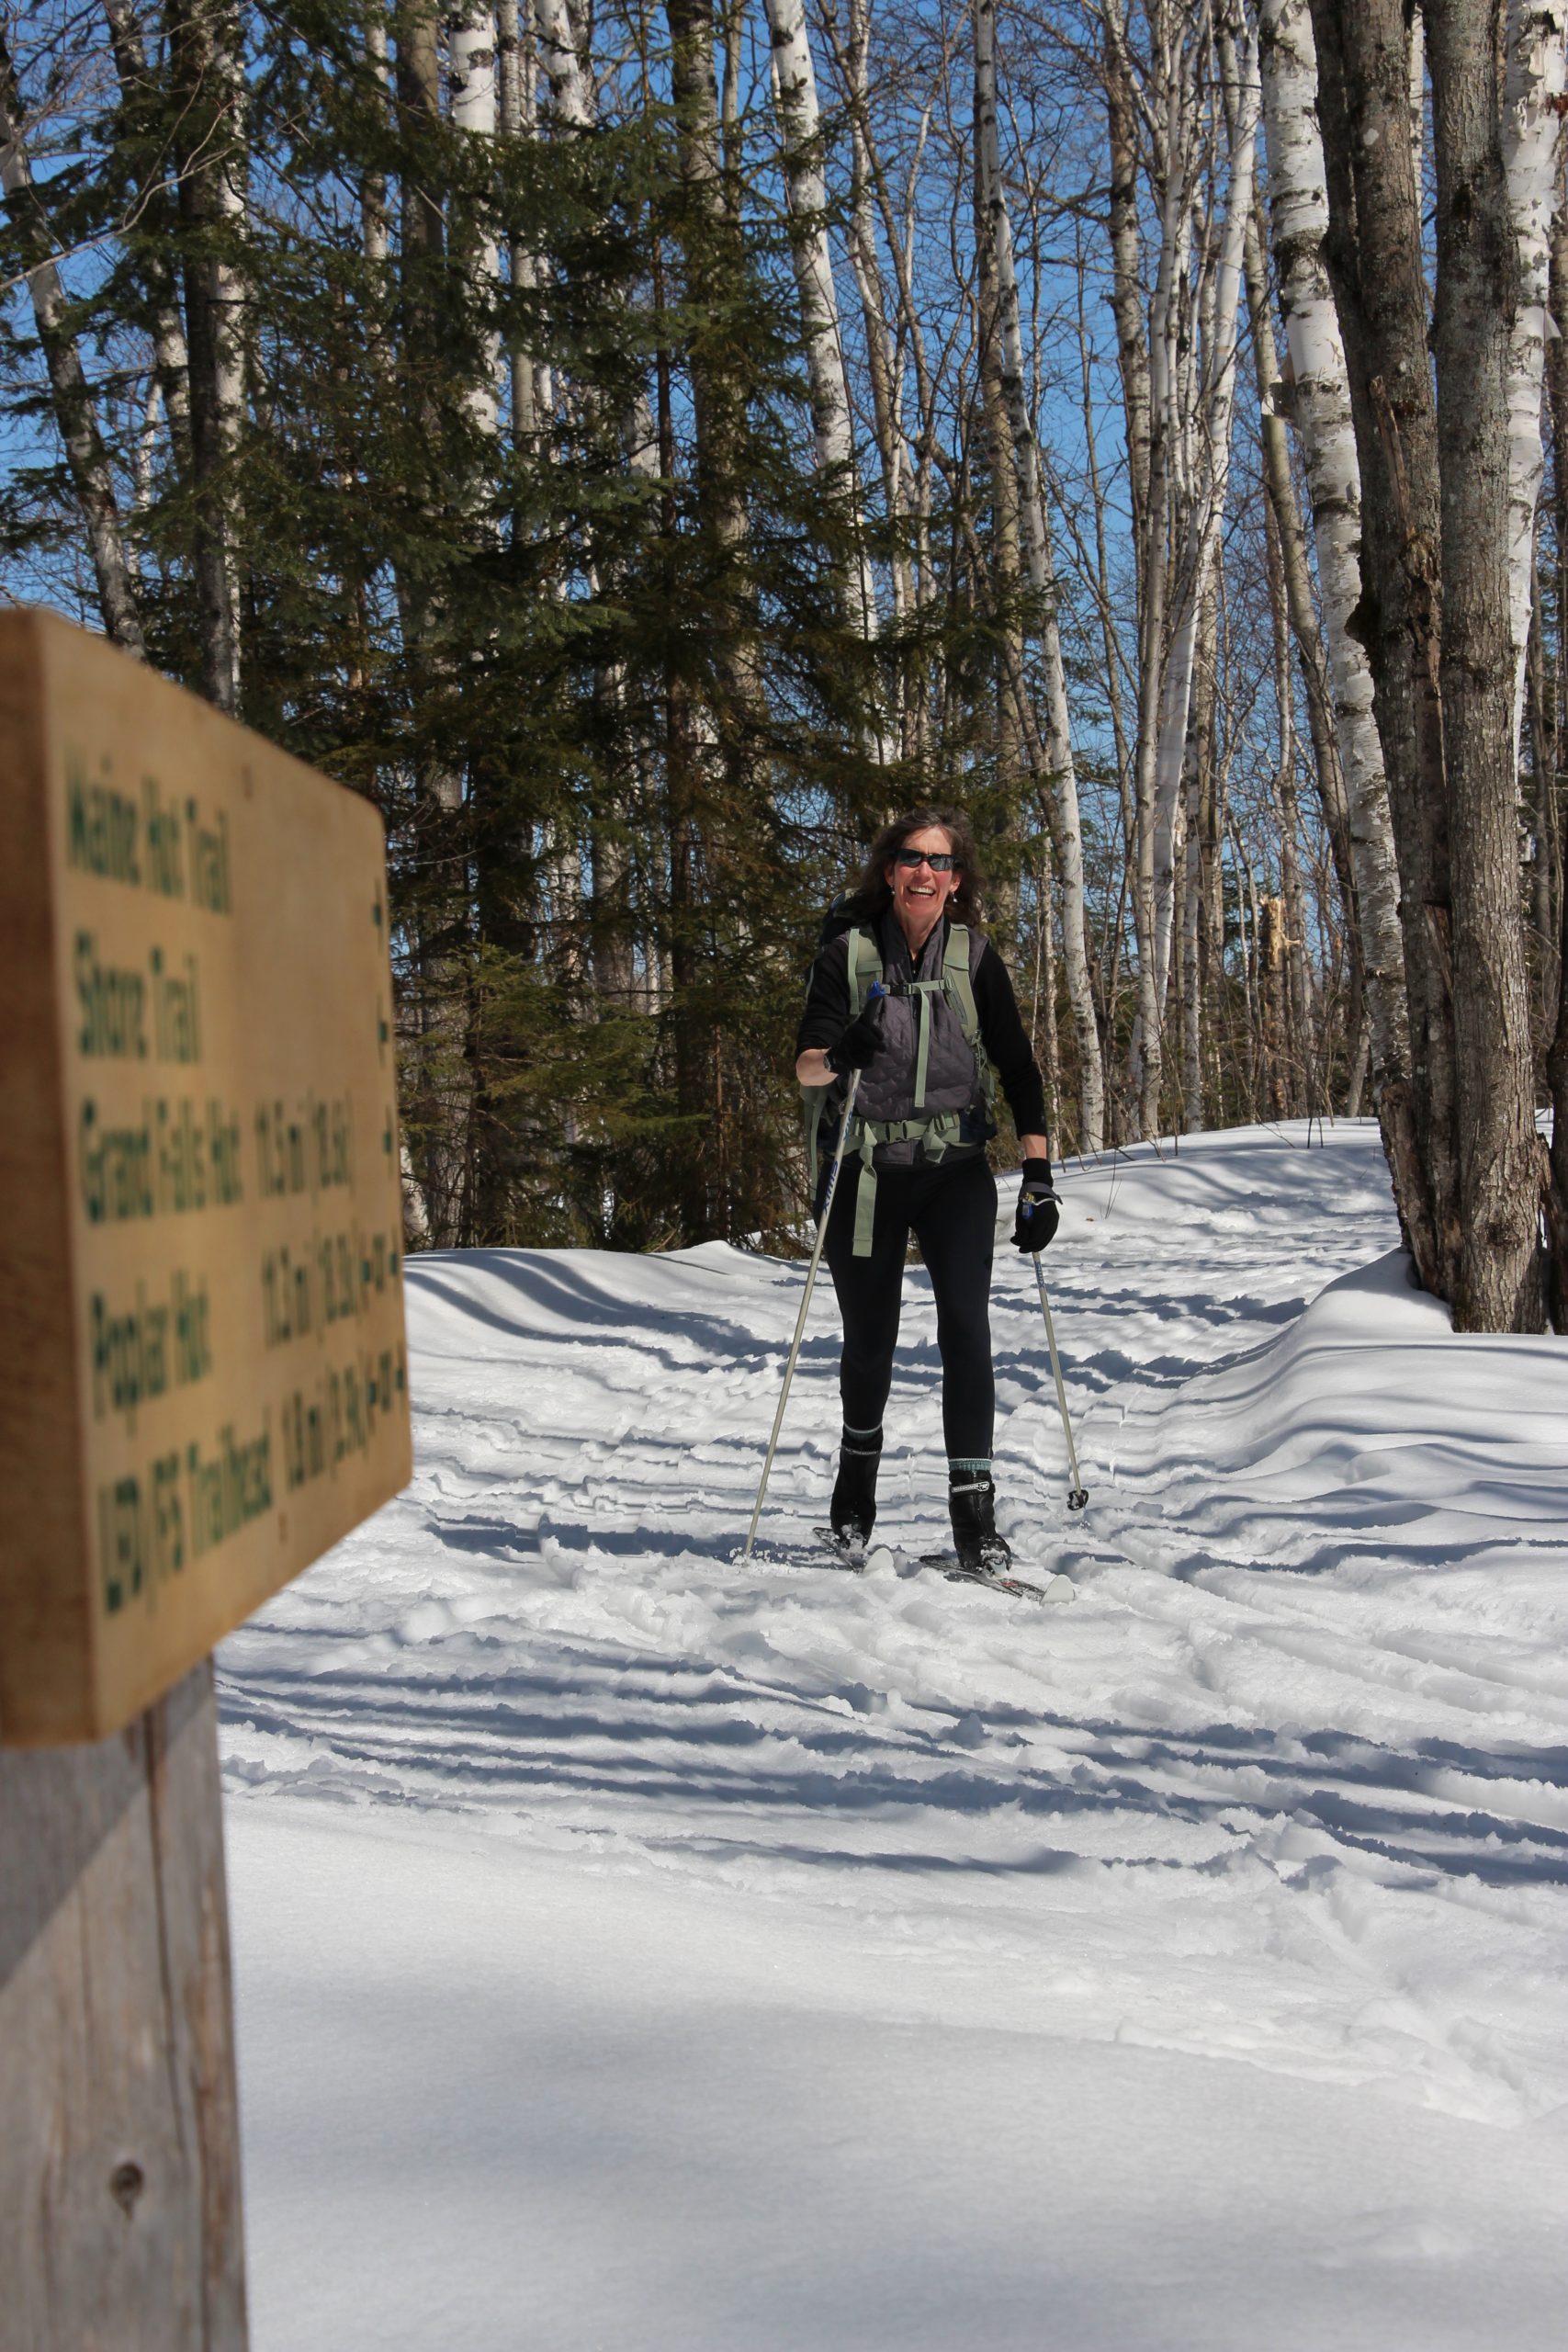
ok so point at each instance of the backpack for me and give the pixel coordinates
(936, 1131)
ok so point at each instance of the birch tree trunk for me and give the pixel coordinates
(1555, 978)
(1320, 409)
(1197, 790)
(571, 92)
(1556, 408)
(1373, 248)
(472, 68)
(1061, 780)
(1145, 1060)
(795, 82)
(1238, 58)
(881, 359)
(1532, 125)
(1307, 636)
(207, 68)
(375, 219)
(75, 411)
(1126, 250)
(516, 36)
(907, 469)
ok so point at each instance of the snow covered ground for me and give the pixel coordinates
(636, 1953)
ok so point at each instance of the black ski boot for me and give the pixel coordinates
(972, 1506)
(853, 1510)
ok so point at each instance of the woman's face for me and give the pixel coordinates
(919, 896)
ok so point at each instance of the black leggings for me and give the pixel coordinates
(952, 1210)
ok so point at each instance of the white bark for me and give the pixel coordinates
(1320, 407)
(75, 411)
(227, 297)
(1192, 960)
(1173, 121)
(209, 69)
(374, 222)
(910, 462)
(1215, 404)
(572, 94)
(575, 106)
(882, 358)
(516, 46)
(473, 78)
(795, 85)
(1532, 127)
(1061, 780)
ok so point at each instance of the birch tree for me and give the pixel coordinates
(572, 88)
(208, 68)
(1318, 403)
(1171, 113)
(1059, 781)
(795, 84)
(472, 68)
(1215, 404)
(1532, 124)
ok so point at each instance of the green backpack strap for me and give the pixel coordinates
(960, 988)
(862, 967)
(958, 980)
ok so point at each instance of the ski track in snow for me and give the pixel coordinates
(1287, 1787)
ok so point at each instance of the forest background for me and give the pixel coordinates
(641, 447)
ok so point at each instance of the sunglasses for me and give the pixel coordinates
(940, 861)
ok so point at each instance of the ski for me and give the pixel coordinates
(1058, 1588)
(860, 1559)
(856, 1557)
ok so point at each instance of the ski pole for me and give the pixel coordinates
(1077, 1493)
(805, 1301)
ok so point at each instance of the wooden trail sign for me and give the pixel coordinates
(203, 1382)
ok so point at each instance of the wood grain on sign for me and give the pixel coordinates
(203, 1383)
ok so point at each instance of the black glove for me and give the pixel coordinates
(859, 1041)
(1039, 1211)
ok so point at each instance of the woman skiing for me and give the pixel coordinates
(909, 994)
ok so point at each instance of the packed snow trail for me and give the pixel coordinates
(633, 1949)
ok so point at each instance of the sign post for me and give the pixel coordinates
(203, 1386)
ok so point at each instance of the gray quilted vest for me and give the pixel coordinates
(928, 1085)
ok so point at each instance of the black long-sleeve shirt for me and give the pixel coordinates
(1002, 1033)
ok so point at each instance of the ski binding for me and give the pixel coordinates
(1055, 1589)
(860, 1559)
(884, 1559)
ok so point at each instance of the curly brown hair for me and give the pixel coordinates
(872, 894)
